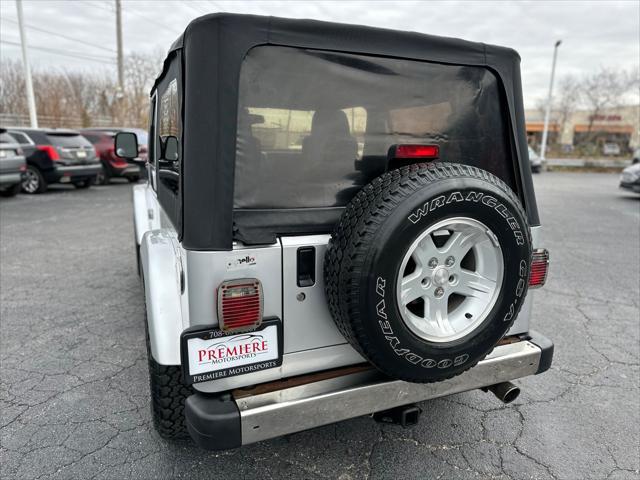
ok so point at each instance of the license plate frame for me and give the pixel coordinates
(198, 367)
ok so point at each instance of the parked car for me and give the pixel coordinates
(140, 160)
(112, 165)
(323, 242)
(636, 156)
(630, 178)
(12, 165)
(535, 160)
(56, 156)
(611, 149)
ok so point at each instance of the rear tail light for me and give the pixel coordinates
(49, 150)
(539, 268)
(240, 305)
(416, 151)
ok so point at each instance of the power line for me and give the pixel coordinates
(216, 6)
(160, 24)
(192, 7)
(64, 53)
(99, 5)
(104, 7)
(61, 35)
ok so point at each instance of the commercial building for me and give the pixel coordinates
(587, 133)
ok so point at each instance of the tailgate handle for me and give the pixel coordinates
(306, 266)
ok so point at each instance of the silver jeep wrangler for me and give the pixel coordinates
(339, 221)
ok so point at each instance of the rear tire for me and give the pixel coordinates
(34, 181)
(168, 395)
(133, 179)
(103, 178)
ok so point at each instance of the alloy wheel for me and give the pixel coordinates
(31, 182)
(450, 279)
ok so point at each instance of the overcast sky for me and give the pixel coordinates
(594, 33)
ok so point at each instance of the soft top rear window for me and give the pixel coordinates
(68, 140)
(314, 126)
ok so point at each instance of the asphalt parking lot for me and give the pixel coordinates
(73, 373)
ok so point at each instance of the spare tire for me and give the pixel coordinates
(428, 268)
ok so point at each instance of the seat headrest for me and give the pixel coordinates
(330, 122)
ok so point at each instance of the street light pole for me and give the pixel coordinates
(547, 113)
(119, 45)
(31, 100)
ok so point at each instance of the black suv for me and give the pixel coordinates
(56, 156)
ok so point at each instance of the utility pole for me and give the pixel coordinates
(547, 113)
(119, 46)
(31, 99)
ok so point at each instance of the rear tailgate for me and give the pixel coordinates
(73, 148)
(11, 157)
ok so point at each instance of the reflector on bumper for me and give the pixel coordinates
(240, 305)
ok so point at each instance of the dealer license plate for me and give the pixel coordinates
(210, 354)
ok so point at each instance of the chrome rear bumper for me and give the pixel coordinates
(219, 422)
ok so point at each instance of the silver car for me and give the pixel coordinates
(630, 178)
(12, 165)
(535, 160)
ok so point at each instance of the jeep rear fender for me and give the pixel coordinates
(163, 277)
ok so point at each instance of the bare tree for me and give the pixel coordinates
(12, 96)
(81, 99)
(541, 106)
(567, 103)
(604, 89)
(140, 72)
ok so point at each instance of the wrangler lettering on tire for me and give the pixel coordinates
(427, 269)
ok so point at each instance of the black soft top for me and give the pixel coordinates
(235, 34)
(207, 59)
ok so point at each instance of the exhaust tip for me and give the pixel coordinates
(506, 392)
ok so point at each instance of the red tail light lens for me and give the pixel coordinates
(417, 151)
(49, 150)
(539, 268)
(240, 305)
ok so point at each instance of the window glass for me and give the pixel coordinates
(168, 166)
(151, 139)
(169, 111)
(280, 129)
(92, 137)
(419, 121)
(21, 138)
(313, 135)
(68, 141)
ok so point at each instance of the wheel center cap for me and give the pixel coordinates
(440, 276)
